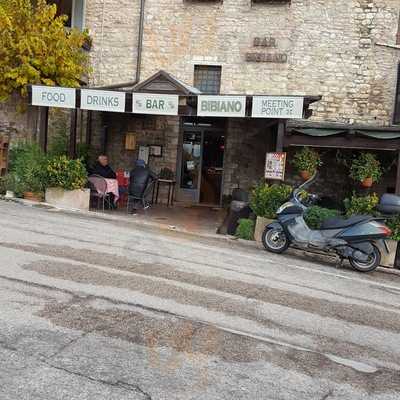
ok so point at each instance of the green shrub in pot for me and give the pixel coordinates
(266, 199)
(28, 168)
(315, 215)
(66, 174)
(394, 224)
(361, 205)
(366, 168)
(306, 161)
(245, 229)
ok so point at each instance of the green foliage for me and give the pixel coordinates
(58, 145)
(266, 199)
(28, 168)
(37, 49)
(66, 174)
(315, 215)
(366, 165)
(394, 224)
(361, 205)
(245, 229)
(307, 159)
(8, 182)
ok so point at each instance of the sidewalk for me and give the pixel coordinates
(196, 226)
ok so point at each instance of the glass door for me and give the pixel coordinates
(191, 164)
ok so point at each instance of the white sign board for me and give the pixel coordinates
(50, 96)
(275, 166)
(161, 104)
(277, 107)
(102, 100)
(221, 106)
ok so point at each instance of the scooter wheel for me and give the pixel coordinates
(368, 266)
(275, 240)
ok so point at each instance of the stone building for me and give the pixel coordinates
(346, 51)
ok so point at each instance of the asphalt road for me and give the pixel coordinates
(96, 309)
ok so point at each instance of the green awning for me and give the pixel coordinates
(384, 135)
(319, 132)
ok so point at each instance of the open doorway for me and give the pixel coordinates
(201, 164)
(212, 167)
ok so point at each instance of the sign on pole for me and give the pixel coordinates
(275, 166)
(160, 104)
(277, 107)
(50, 96)
(221, 106)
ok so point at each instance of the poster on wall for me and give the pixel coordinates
(275, 166)
(144, 152)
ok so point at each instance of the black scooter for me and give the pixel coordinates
(354, 239)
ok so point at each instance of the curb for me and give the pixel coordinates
(299, 253)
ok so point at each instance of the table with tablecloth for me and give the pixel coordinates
(113, 187)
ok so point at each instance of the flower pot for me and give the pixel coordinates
(388, 260)
(367, 183)
(261, 223)
(71, 199)
(305, 175)
(32, 196)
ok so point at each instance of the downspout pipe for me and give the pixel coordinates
(138, 57)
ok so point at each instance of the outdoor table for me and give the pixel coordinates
(112, 187)
(171, 190)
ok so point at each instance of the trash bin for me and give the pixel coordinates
(389, 204)
(237, 210)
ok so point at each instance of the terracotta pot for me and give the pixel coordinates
(31, 196)
(367, 183)
(305, 175)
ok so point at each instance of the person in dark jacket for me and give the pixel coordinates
(102, 168)
(140, 177)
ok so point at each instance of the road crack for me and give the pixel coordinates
(118, 384)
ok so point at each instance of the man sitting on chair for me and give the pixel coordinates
(140, 177)
(102, 168)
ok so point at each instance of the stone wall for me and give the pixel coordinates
(334, 48)
(18, 120)
(149, 130)
(247, 141)
(113, 26)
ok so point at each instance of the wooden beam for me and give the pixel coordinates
(280, 135)
(89, 128)
(341, 142)
(72, 136)
(43, 127)
(398, 175)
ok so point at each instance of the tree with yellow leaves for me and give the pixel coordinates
(35, 48)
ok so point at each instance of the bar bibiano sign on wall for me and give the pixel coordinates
(221, 106)
(158, 104)
(275, 166)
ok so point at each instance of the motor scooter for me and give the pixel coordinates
(356, 238)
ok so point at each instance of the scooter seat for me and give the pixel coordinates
(340, 223)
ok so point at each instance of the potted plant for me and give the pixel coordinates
(366, 169)
(306, 161)
(361, 205)
(264, 201)
(28, 168)
(389, 260)
(66, 183)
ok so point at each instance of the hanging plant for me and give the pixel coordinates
(306, 161)
(367, 169)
